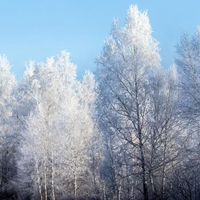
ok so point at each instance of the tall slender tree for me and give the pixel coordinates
(8, 138)
(130, 100)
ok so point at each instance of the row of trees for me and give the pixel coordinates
(130, 133)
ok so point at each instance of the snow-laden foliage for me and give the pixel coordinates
(136, 102)
(8, 145)
(58, 126)
(130, 133)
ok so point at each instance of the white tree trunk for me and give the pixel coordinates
(52, 176)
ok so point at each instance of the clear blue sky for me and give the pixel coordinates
(36, 29)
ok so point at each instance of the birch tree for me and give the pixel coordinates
(184, 181)
(58, 126)
(127, 96)
(8, 137)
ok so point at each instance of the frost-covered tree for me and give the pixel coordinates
(188, 59)
(185, 182)
(128, 55)
(136, 105)
(8, 140)
(58, 125)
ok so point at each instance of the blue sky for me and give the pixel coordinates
(36, 29)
